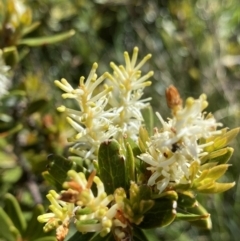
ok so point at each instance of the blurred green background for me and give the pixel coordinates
(195, 46)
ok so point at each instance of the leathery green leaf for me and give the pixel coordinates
(51, 180)
(48, 238)
(81, 237)
(186, 199)
(191, 217)
(138, 234)
(161, 214)
(111, 166)
(204, 223)
(5, 227)
(171, 195)
(14, 211)
(58, 167)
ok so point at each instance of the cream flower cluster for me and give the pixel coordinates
(78, 203)
(60, 217)
(104, 114)
(173, 148)
(92, 122)
(128, 86)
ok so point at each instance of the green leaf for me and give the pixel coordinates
(224, 157)
(130, 165)
(47, 238)
(9, 129)
(29, 29)
(10, 56)
(222, 140)
(36, 106)
(78, 236)
(111, 166)
(14, 211)
(161, 214)
(186, 199)
(59, 166)
(191, 217)
(205, 223)
(143, 138)
(208, 166)
(216, 187)
(81, 237)
(5, 226)
(220, 156)
(108, 237)
(171, 195)
(51, 180)
(138, 204)
(217, 171)
(193, 170)
(135, 148)
(33, 42)
(148, 117)
(139, 235)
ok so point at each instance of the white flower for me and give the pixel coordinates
(173, 149)
(128, 86)
(92, 122)
(5, 81)
(110, 112)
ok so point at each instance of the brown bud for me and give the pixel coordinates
(70, 196)
(173, 97)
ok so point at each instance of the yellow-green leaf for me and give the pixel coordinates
(14, 211)
(46, 40)
(217, 171)
(143, 138)
(217, 187)
(130, 164)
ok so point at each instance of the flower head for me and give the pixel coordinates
(173, 148)
(92, 121)
(128, 85)
(60, 217)
(110, 112)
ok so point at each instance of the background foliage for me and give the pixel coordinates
(195, 46)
